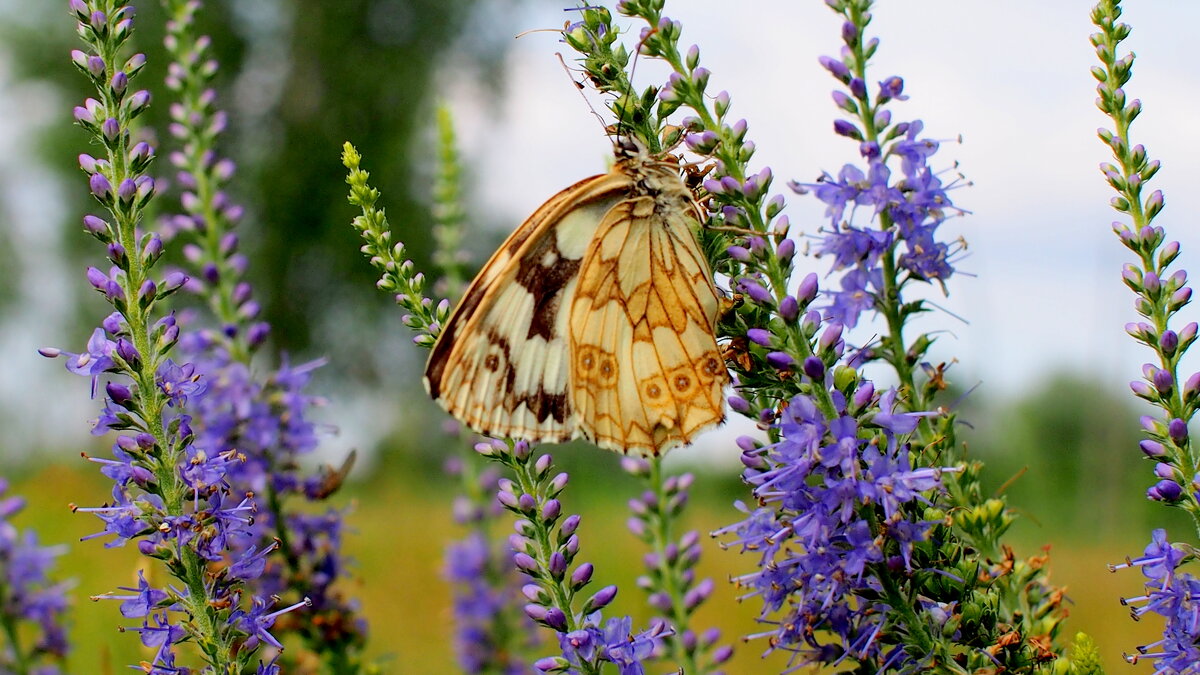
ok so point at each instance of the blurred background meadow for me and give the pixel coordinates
(1034, 333)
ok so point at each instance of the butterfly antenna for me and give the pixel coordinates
(580, 87)
(531, 31)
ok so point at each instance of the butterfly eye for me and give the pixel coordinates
(627, 146)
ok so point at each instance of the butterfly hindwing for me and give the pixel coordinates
(501, 364)
(648, 373)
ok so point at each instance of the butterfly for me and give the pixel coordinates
(595, 319)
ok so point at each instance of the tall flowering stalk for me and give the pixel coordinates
(876, 545)
(32, 604)
(170, 492)
(491, 633)
(1161, 292)
(546, 543)
(265, 418)
(670, 578)
(488, 631)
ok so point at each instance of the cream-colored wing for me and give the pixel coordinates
(501, 364)
(647, 371)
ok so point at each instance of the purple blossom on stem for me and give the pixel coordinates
(485, 586)
(670, 575)
(544, 549)
(1175, 597)
(1160, 294)
(824, 489)
(254, 424)
(172, 492)
(32, 603)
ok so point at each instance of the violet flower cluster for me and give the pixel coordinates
(266, 417)
(172, 494)
(489, 636)
(545, 548)
(670, 576)
(32, 604)
(1161, 292)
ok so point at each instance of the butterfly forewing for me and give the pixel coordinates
(596, 318)
(501, 363)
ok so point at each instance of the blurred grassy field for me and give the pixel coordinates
(400, 522)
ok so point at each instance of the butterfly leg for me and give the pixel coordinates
(727, 305)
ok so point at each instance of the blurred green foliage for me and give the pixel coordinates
(1066, 453)
(298, 78)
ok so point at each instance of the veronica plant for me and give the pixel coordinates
(488, 632)
(170, 492)
(670, 577)
(491, 632)
(1161, 292)
(265, 418)
(875, 544)
(32, 604)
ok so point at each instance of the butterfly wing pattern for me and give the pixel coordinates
(595, 319)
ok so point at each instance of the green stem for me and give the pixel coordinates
(668, 572)
(11, 630)
(902, 606)
(151, 400)
(561, 595)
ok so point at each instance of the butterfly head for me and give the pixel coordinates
(627, 148)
